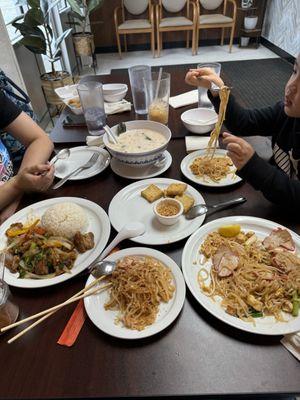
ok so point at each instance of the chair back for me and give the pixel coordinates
(173, 6)
(211, 4)
(136, 7)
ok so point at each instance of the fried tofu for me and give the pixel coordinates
(152, 193)
(186, 201)
(175, 189)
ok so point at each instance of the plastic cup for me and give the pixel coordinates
(203, 100)
(137, 74)
(158, 97)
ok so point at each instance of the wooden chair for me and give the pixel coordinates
(208, 21)
(187, 22)
(137, 25)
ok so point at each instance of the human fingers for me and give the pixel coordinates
(38, 169)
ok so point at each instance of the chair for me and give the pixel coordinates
(187, 22)
(134, 26)
(208, 21)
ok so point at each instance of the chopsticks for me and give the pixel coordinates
(85, 292)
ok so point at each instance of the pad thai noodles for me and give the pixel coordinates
(254, 278)
(215, 168)
(139, 285)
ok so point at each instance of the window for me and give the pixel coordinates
(61, 5)
(10, 10)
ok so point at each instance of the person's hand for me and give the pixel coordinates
(239, 150)
(9, 210)
(37, 178)
(203, 77)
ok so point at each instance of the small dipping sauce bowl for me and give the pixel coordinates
(168, 211)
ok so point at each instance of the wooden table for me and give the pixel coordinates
(196, 356)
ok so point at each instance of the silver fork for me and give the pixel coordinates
(87, 165)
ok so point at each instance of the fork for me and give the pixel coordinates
(87, 165)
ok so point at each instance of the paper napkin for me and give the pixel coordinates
(193, 143)
(117, 107)
(94, 141)
(292, 344)
(184, 99)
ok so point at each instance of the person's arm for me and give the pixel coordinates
(247, 122)
(38, 145)
(270, 180)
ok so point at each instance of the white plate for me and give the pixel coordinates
(126, 171)
(188, 160)
(262, 228)
(128, 205)
(79, 156)
(105, 319)
(98, 224)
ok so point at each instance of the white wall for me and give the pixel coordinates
(8, 60)
(282, 25)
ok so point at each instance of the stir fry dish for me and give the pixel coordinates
(34, 252)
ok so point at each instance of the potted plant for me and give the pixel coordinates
(38, 37)
(83, 40)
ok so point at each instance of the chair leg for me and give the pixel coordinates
(197, 33)
(125, 43)
(119, 44)
(158, 43)
(153, 43)
(231, 39)
(187, 39)
(222, 36)
(193, 42)
(161, 42)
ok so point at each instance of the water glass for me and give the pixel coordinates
(203, 100)
(157, 97)
(137, 74)
(8, 310)
(91, 98)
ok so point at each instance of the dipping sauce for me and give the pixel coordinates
(138, 141)
(167, 208)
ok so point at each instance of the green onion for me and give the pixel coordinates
(296, 304)
(256, 314)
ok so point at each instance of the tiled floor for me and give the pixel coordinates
(108, 61)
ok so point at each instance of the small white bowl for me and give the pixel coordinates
(75, 110)
(113, 98)
(171, 219)
(250, 22)
(67, 92)
(199, 120)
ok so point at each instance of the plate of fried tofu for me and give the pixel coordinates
(136, 201)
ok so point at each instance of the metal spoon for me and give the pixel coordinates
(100, 268)
(201, 209)
(61, 155)
(130, 230)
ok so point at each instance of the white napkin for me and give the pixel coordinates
(117, 107)
(94, 141)
(292, 344)
(193, 143)
(184, 99)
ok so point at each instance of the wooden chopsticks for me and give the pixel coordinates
(85, 292)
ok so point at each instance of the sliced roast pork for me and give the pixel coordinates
(225, 261)
(279, 239)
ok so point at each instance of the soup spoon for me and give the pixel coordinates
(130, 230)
(61, 155)
(110, 134)
(201, 209)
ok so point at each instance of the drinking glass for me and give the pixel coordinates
(158, 97)
(203, 100)
(137, 74)
(91, 98)
(8, 310)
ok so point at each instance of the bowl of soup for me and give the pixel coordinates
(142, 143)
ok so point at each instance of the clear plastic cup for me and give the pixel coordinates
(8, 310)
(91, 98)
(203, 100)
(158, 97)
(137, 74)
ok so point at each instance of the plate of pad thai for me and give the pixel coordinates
(246, 272)
(207, 169)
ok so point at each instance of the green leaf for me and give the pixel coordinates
(75, 6)
(34, 3)
(93, 4)
(15, 19)
(74, 14)
(27, 30)
(34, 44)
(61, 38)
(49, 29)
(57, 53)
(44, 8)
(34, 17)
